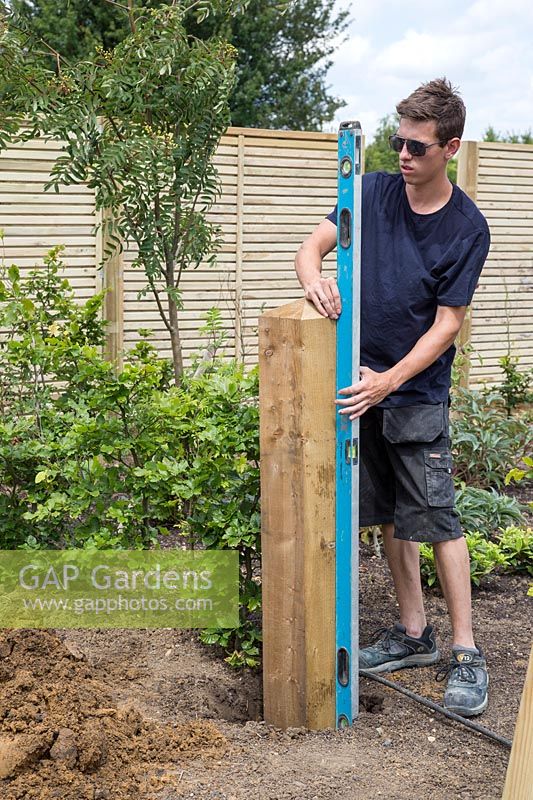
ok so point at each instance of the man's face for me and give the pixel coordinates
(418, 170)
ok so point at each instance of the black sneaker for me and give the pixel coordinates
(393, 649)
(468, 682)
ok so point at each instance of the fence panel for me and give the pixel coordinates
(499, 178)
(276, 186)
(202, 288)
(33, 221)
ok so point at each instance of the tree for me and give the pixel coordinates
(74, 27)
(282, 62)
(491, 135)
(140, 124)
(379, 157)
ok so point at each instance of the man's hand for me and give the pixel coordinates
(324, 294)
(321, 292)
(371, 390)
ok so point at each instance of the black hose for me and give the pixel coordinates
(435, 707)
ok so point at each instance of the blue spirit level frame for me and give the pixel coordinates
(347, 433)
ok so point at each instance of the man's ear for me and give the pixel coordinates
(451, 148)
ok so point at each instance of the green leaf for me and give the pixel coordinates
(13, 273)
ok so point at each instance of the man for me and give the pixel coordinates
(423, 247)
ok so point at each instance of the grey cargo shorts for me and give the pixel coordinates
(406, 472)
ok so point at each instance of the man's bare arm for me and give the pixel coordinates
(375, 386)
(322, 292)
(442, 334)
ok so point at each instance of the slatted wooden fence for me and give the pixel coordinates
(277, 185)
(34, 221)
(499, 178)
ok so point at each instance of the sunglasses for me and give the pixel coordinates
(414, 147)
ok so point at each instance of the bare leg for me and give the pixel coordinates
(404, 564)
(453, 568)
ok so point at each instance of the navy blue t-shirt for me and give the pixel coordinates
(410, 264)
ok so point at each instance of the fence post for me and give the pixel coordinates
(239, 228)
(297, 432)
(112, 281)
(519, 779)
(467, 169)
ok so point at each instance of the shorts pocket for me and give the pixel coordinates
(439, 481)
(420, 423)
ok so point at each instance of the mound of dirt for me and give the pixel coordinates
(63, 736)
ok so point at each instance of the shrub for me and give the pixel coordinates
(91, 459)
(516, 544)
(486, 510)
(221, 492)
(520, 473)
(45, 333)
(94, 483)
(516, 385)
(485, 440)
(428, 568)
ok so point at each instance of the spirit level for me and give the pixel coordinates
(347, 433)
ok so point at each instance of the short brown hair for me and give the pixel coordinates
(437, 100)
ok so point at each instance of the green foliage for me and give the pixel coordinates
(283, 63)
(452, 169)
(87, 452)
(283, 50)
(485, 439)
(70, 439)
(486, 510)
(516, 385)
(462, 357)
(491, 135)
(222, 493)
(74, 27)
(428, 568)
(243, 644)
(485, 557)
(141, 124)
(89, 458)
(46, 333)
(518, 474)
(517, 546)
(379, 157)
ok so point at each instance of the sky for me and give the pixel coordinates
(485, 48)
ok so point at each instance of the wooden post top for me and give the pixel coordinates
(300, 310)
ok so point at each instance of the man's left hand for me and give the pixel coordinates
(371, 390)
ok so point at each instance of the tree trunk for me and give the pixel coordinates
(175, 340)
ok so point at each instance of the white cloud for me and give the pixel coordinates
(352, 52)
(435, 54)
(495, 15)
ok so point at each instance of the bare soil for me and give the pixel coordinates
(154, 714)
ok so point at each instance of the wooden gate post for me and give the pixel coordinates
(519, 780)
(297, 429)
